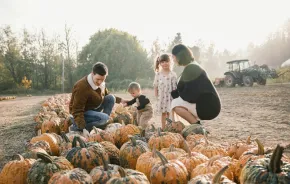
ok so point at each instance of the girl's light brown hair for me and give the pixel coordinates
(163, 57)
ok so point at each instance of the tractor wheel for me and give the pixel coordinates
(230, 81)
(262, 82)
(248, 81)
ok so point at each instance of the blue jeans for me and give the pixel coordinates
(96, 117)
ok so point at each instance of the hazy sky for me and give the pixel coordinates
(230, 24)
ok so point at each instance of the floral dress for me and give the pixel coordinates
(165, 83)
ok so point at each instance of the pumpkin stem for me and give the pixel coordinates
(19, 156)
(205, 136)
(248, 140)
(187, 148)
(162, 158)
(122, 172)
(169, 120)
(159, 131)
(105, 162)
(218, 175)
(171, 148)
(142, 133)
(81, 142)
(63, 135)
(45, 157)
(95, 130)
(261, 150)
(154, 151)
(153, 127)
(133, 140)
(212, 159)
(275, 161)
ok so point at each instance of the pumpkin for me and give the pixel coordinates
(174, 126)
(100, 135)
(235, 150)
(51, 125)
(207, 167)
(150, 131)
(53, 140)
(74, 176)
(252, 154)
(112, 151)
(141, 136)
(130, 151)
(64, 124)
(146, 161)
(210, 178)
(163, 140)
(39, 144)
(129, 176)
(194, 139)
(267, 170)
(172, 153)
(66, 145)
(101, 174)
(125, 117)
(210, 149)
(15, 171)
(121, 135)
(71, 136)
(193, 129)
(112, 128)
(192, 159)
(172, 171)
(43, 169)
(86, 156)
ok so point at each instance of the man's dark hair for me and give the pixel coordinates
(100, 68)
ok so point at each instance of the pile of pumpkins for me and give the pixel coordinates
(125, 153)
(7, 98)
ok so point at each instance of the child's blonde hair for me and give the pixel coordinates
(162, 58)
(134, 86)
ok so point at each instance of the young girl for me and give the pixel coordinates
(164, 82)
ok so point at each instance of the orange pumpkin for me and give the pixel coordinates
(130, 151)
(53, 140)
(101, 174)
(174, 126)
(235, 150)
(16, 171)
(172, 153)
(100, 135)
(112, 151)
(146, 161)
(210, 149)
(210, 178)
(163, 140)
(192, 159)
(207, 167)
(51, 125)
(42, 169)
(74, 176)
(129, 176)
(86, 156)
(172, 171)
(121, 135)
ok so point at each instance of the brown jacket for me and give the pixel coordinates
(84, 98)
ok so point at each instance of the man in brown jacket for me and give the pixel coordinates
(91, 104)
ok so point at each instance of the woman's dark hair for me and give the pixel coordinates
(183, 54)
(163, 57)
(100, 68)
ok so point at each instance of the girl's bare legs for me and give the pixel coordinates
(185, 114)
(163, 119)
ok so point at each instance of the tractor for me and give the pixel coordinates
(240, 72)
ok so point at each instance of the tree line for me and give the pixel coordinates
(43, 59)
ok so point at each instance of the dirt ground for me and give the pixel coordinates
(261, 111)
